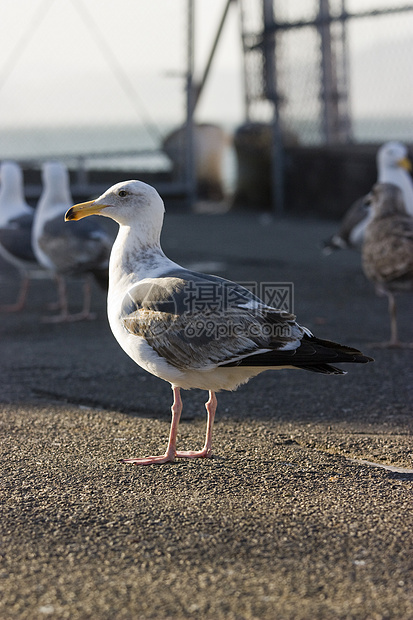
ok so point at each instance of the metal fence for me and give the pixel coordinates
(342, 70)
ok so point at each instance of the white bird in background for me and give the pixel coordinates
(191, 329)
(68, 251)
(16, 220)
(387, 254)
(393, 166)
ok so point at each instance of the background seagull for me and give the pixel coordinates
(393, 166)
(387, 254)
(191, 329)
(16, 220)
(66, 250)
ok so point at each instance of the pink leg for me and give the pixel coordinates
(394, 339)
(61, 303)
(171, 448)
(64, 316)
(206, 452)
(394, 342)
(56, 305)
(21, 299)
(86, 314)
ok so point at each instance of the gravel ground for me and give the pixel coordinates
(286, 521)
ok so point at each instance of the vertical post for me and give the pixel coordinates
(343, 83)
(190, 180)
(271, 93)
(245, 74)
(329, 92)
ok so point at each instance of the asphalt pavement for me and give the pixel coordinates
(305, 510)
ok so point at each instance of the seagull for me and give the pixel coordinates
(67, 250)
(393, 167)
(191, 329)
(16, 220)
(387, 254)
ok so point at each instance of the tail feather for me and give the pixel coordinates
(325, 369)
(313, 354)
(336, 242)
(342, 349)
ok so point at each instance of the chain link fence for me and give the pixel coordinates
(372, 58)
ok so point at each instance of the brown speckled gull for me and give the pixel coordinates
(387, 252)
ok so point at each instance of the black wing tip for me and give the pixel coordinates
(325, 369)
(328, 248)
(334, 243)
(354, 355)
(364, 359)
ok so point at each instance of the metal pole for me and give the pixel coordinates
(329, 93)
(271, 92)
(200, 87)
(345, 102)
(245, 50)
(190, 180)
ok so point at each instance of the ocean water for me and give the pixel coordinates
(134, 146)
(110, 147)
(383, 129)
(100, 145)
(365, 130)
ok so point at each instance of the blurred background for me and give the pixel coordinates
(228, 104)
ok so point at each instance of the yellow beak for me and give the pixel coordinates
(405, 163)
(83, 209)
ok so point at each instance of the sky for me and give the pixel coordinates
(89, 62)
(59, 69)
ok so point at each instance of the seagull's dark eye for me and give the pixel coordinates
(122, 193)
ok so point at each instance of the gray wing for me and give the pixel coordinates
(195, 320)
(388, 251)
(342, 239)
(75, 247)
(16, 237)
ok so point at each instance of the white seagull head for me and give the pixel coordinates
(11, 175)
(12, 200)
(56, 195)
(11, 182)
(130, 203)
(393, 155)
(56, 181)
